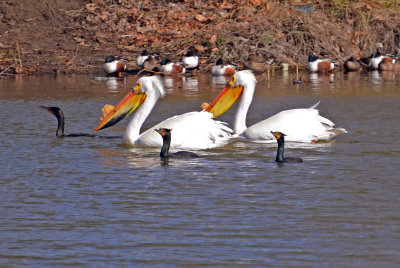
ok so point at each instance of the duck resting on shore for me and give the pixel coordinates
(166, 136)
(281, 147)
(114, 66)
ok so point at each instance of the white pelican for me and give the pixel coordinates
(193, 130)
(300, 125)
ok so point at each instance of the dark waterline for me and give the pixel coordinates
(95, 202)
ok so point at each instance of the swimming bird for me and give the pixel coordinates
(59, 114)
(169, 68)
(192, 130)
(114, 66)
(223, 69)
(166, 136)
(316, 65)
(387, 65)
(190, 61)
(257, 64)
(280, 138)
(352, 65)
(141, 58)
(301, 125)
(376, 58)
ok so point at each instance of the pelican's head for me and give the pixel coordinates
(242, 81)
(145, 87)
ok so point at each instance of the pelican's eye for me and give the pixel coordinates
(232, 81)
(137, 87)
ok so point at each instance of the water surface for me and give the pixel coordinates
(94, 202)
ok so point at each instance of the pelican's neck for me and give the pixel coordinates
(239, 124)
(132, 131)
(281, 148)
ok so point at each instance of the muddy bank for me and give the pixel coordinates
(74, 36)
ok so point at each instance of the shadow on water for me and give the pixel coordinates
(86, 201)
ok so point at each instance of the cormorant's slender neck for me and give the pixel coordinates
(165, 147)
(60, 127)
(281, 148)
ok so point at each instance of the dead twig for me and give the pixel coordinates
(5, 70)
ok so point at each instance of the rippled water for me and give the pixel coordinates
(94, 202)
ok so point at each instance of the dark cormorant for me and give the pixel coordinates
(58, 113)
(166, 136)
(281, 147)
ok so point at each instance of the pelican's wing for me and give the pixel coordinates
(299, 125)
(190, 131)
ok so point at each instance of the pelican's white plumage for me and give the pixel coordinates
(300, 125)
(193, 130)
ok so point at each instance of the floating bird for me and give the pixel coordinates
(169, 68)
(190, 61)
(301, 125)
(376, 58)
(113, 66)
(352, 65)
(141, 58)
(59, 114)
(316, 65)
(280, 138)
(193, 130)
(255, 64)
(387, 65)
(166, 136)
(220, 69)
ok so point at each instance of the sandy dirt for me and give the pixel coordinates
(75, 36)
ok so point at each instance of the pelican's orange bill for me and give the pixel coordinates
(224, 100)
(124, 108)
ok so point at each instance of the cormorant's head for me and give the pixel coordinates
(57, 112)
(163, 131)
(278, 135)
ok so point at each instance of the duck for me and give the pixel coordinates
(316, 65)
(256, 65)
(166, 136)
(301, 125)
(59, 114)
(190, 61)
(387, 65)
(141, 58)
(223, 69)
(352, 65)
(169, 68)
(114, 66)
(280, 138)
(376, 58)
(151, 62)
(195, 130)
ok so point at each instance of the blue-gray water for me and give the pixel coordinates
(94, 202)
